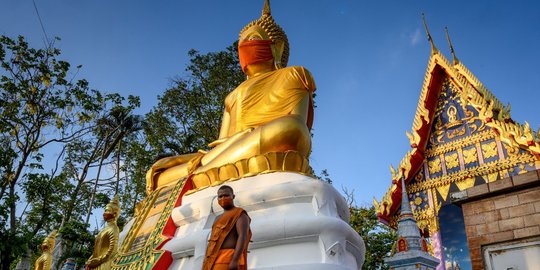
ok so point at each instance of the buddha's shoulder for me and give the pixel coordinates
(298, 77)
(297, 70)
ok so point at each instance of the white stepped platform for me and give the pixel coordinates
(297, 222)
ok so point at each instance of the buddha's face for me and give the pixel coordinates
(109, 213)
(45, 245)
(256, 32)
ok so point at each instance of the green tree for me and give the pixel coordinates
(186, 118)
(378, 238)
(39, 106)
(138, 158)
(93, 151)
(189, 112)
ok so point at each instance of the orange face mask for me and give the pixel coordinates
(226, 203)
(253, 52)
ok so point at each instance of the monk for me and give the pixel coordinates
(229, 240)
(270, 112)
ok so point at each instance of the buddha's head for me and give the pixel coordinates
(48, 242)
(112, 210)
(263, 42)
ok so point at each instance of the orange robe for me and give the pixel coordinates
(269, 96)
(217, 258)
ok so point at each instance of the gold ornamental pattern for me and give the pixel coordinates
(482, 170)
(290, 161)
(460, 143)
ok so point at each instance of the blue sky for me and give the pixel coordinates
(368, 59)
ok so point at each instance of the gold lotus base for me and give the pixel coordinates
(290, 161)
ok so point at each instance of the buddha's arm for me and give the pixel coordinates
(164, 164)
(168, 162)
(224, 130)
(47, 263)
(39, 263)
(222, 146)
(265, 138)
(301, 109)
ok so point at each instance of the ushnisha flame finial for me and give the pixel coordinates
(114, 206)
(266, 8)
(433, 48)
(454, 58)
(51, 239)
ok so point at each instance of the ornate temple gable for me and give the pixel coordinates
(461, 135)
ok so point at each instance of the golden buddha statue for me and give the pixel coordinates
(44, 261)
(266, 122)
(106, 244)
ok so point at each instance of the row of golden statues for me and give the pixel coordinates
(105, 245)
(265, 127)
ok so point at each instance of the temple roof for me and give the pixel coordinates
(472, 92)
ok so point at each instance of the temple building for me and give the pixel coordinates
(472, 174)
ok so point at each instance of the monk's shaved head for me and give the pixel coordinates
(224, 187)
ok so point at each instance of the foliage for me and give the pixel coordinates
(324, 176)
(76, 236)
(39, 106)
(189, 113)
(54, 130)
(377, 237)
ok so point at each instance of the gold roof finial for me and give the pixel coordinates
(433, 48)
(454, 58)
(266, 8)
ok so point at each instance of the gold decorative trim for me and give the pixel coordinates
(489, 150)
(148, 202)
(290, 161)
(465, 184)
(426, 219)
(452, 161)
(470, 155)
(443, 191)
(463, 142)
(434, 166)
(482, 170)
(146, 256)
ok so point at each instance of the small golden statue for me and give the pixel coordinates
(106, 244)
(266, 122)
(44, 261)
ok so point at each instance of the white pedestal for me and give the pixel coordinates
(297, 223)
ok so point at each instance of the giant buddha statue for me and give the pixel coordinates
(266, 121)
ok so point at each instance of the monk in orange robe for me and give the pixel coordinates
(228, 243)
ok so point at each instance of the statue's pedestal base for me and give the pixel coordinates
(297, 222)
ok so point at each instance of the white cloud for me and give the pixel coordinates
(415, 37)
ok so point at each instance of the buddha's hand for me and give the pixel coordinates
(92, 262)
(217, 142)
(231, 138)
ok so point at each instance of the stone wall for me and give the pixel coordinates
(507, 210)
